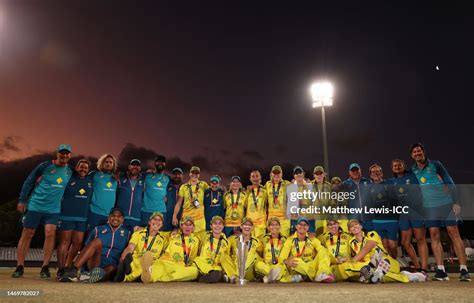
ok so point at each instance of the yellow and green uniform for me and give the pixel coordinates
(234, 204)
(270, 250)
(338, 246)
(276, 194)
(176, 262)
(189, 193)
(229, 261)
(323, 198)
(312, 257)
(211, 251)
(351, 270)
(144, 242)
(256, 206)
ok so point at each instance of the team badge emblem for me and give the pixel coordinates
(109, 184)
(82, 191)
(423, 179)
(401, 190)
(158, 184)
(59, 180)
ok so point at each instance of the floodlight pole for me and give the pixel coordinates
(325, 140)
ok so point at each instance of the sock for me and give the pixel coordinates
(441, 267)
(462, 267)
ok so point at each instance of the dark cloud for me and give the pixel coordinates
(10, 144)
(131, 151)
(252, 155)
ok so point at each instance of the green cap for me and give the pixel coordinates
(297, 169)
(318, 168)
(156, 213)
(217, 218)
(354, 165)
(187, 218)
(177, 169)
(246, 220)
(277, 168)
(235, 178)
(302, 219)
(195, 168)
(65, 147)
(273, 219)
(335, 179)
(216, 179)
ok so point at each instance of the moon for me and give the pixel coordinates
(437, 67)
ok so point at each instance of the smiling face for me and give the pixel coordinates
(155, 223)
(376, 173)
(319, 177)
(82, 169)
(246, 228)
(115, 219)
(299, 176)
(398, 167)
(134, 169)
(302, 228)
(274, 227)
(418, 154)
(194, 176)
(276, 176)
(355, 228)
(217, 226)
(355, 173)
(255, 178)
(333, 227)
(62, 157)
(235, 184)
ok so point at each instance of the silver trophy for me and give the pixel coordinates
(242, 251)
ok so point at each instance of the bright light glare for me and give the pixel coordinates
(322, 94)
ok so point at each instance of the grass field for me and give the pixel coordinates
(52, 291)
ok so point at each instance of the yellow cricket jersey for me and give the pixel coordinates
(189, 193)
(306, 249)
(267, 242)
(234, 208)
(144, 242)
(337, 246)
(323, 198)
(212, 249)
(256, 205)
(182, 250)
(371, 236)
(276, 194)
(254, 247)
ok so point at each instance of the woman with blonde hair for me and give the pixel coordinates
(105, 191)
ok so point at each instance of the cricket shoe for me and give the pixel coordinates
(325, 278)
(69, 275)
(97, 275)
(146, 263)
(440, 275)
(296, 278)
(414, 276)
(464, 276)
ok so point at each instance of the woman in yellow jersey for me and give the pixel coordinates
(306, 259)
(270, 267)
(322, 188)
(297, 195)
(336, 187)
(234, 203)
(276, 193)
(370, 262)
(176, 263)
(256, 204)
(214, 244)
(229, 261)
(147, 241)
(191, 198)
(336, 242)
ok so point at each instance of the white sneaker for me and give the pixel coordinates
(296, 278)
(414, 276)
(85, 277)
(273, 274)
(324, 277)
(265, 279)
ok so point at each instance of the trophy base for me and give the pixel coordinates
(241, 282)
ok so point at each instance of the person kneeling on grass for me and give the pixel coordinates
(102, 251)
(214, 244)
(371, 263)
(306, 259)
(147, 241)
(175, 264)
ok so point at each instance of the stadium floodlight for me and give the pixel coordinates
(322, 94)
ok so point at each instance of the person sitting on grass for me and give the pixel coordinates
(148, 240)
(103, 248)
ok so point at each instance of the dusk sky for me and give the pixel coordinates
(227, 81)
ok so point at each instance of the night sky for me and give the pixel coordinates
(229, 84)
